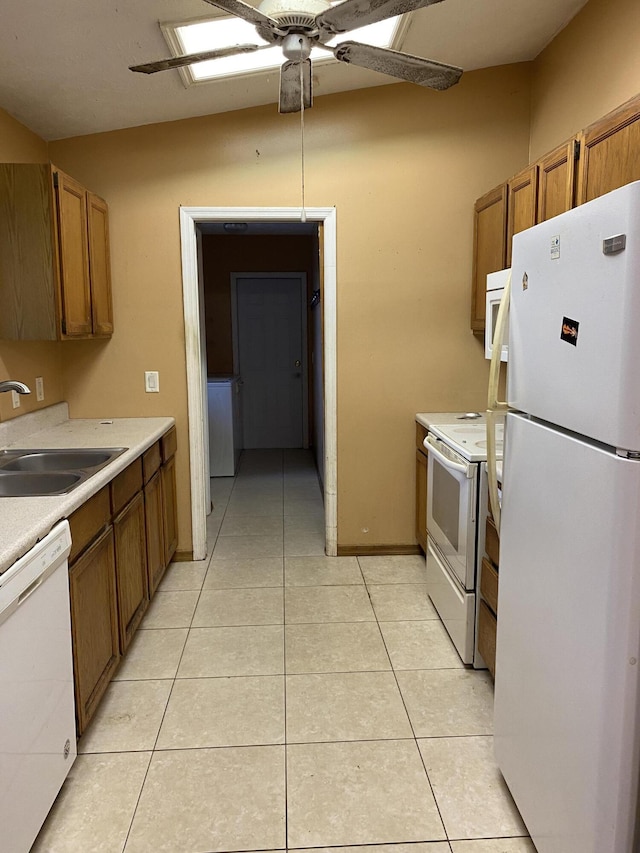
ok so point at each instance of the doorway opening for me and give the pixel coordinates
(199, 224)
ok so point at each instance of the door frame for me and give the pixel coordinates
(304, 301)
(195, 354)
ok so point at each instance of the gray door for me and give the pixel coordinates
(271, 360)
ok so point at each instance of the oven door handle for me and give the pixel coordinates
(447, 463)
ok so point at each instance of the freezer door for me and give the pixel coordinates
(568, 644)
(574, 344)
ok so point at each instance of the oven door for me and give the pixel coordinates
(452, 488)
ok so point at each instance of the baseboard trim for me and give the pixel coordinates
(182, 557)
(377, 550)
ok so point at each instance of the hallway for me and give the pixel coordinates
(276, 698)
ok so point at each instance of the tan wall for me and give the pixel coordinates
(592, 66)
(403, 166)
(25, 360)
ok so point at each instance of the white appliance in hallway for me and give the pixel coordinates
(567, 699)
(224, 407)
(37, 713)
(456, 509)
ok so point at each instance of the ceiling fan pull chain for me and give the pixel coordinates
(303, 215)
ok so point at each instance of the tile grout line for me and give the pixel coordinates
(415, 739)
(284, 670)
(173, 680)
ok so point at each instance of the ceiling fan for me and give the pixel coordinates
(299, 25)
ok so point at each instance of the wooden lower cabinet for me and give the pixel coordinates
(488, 610)
(131, 568)
(123, 538)
(170, 509)
(94, 623)
(154, 522)
(487, 627)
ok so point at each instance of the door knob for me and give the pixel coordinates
(297, 362)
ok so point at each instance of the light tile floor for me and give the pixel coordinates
(276, 698)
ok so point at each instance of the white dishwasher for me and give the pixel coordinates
(37, 717)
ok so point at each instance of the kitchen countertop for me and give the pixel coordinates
(428, 419)
(25, 520)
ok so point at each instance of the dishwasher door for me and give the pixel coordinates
(37, 716)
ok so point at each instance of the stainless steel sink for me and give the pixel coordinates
(22, 484)
(50, 471)
(59, 460)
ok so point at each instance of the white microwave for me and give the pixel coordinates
(496, 282)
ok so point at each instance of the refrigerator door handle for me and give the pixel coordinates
(493, 404)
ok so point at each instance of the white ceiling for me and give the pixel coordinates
(64, 63)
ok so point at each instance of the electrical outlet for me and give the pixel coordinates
(39, 388)
(15, 399)
(151, 381)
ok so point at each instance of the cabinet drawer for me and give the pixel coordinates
(151, 461)
(421, 434)
(489, 585)
(169, 443)
(88, 521)
(487, 626)
(492, 542)
(125, 485)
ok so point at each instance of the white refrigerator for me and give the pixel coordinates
(567, 692)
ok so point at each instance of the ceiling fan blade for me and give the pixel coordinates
(290, 87)
(245, 11)
(414, 69)
(190, 59)
(352, 14)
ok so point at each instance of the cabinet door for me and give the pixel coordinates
(99, 265)
(153, 511)
(131, 568)
(28, 254)
(487, 629)
(610, 154)
(71, 199)
(489, 253)
(421, 499)
(170, 509)
(94, 625)
(556, 180)
(521, 204)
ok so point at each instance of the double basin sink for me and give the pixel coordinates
(29, 473)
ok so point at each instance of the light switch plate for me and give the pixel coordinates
(151, 381)
(39, 388)
(15, 399)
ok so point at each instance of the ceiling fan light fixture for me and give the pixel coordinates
(300, 13)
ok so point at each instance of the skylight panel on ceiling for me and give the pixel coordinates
(225, 32)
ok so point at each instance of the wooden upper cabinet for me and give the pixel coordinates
(610, 155)
(55, 279)
(556, 180)
(489, 248)
(99, 265)
(521, 204)
(29, 292)
(71, 199)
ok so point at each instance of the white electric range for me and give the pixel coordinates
(456, 513)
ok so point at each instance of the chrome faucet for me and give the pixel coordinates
(11, 385)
